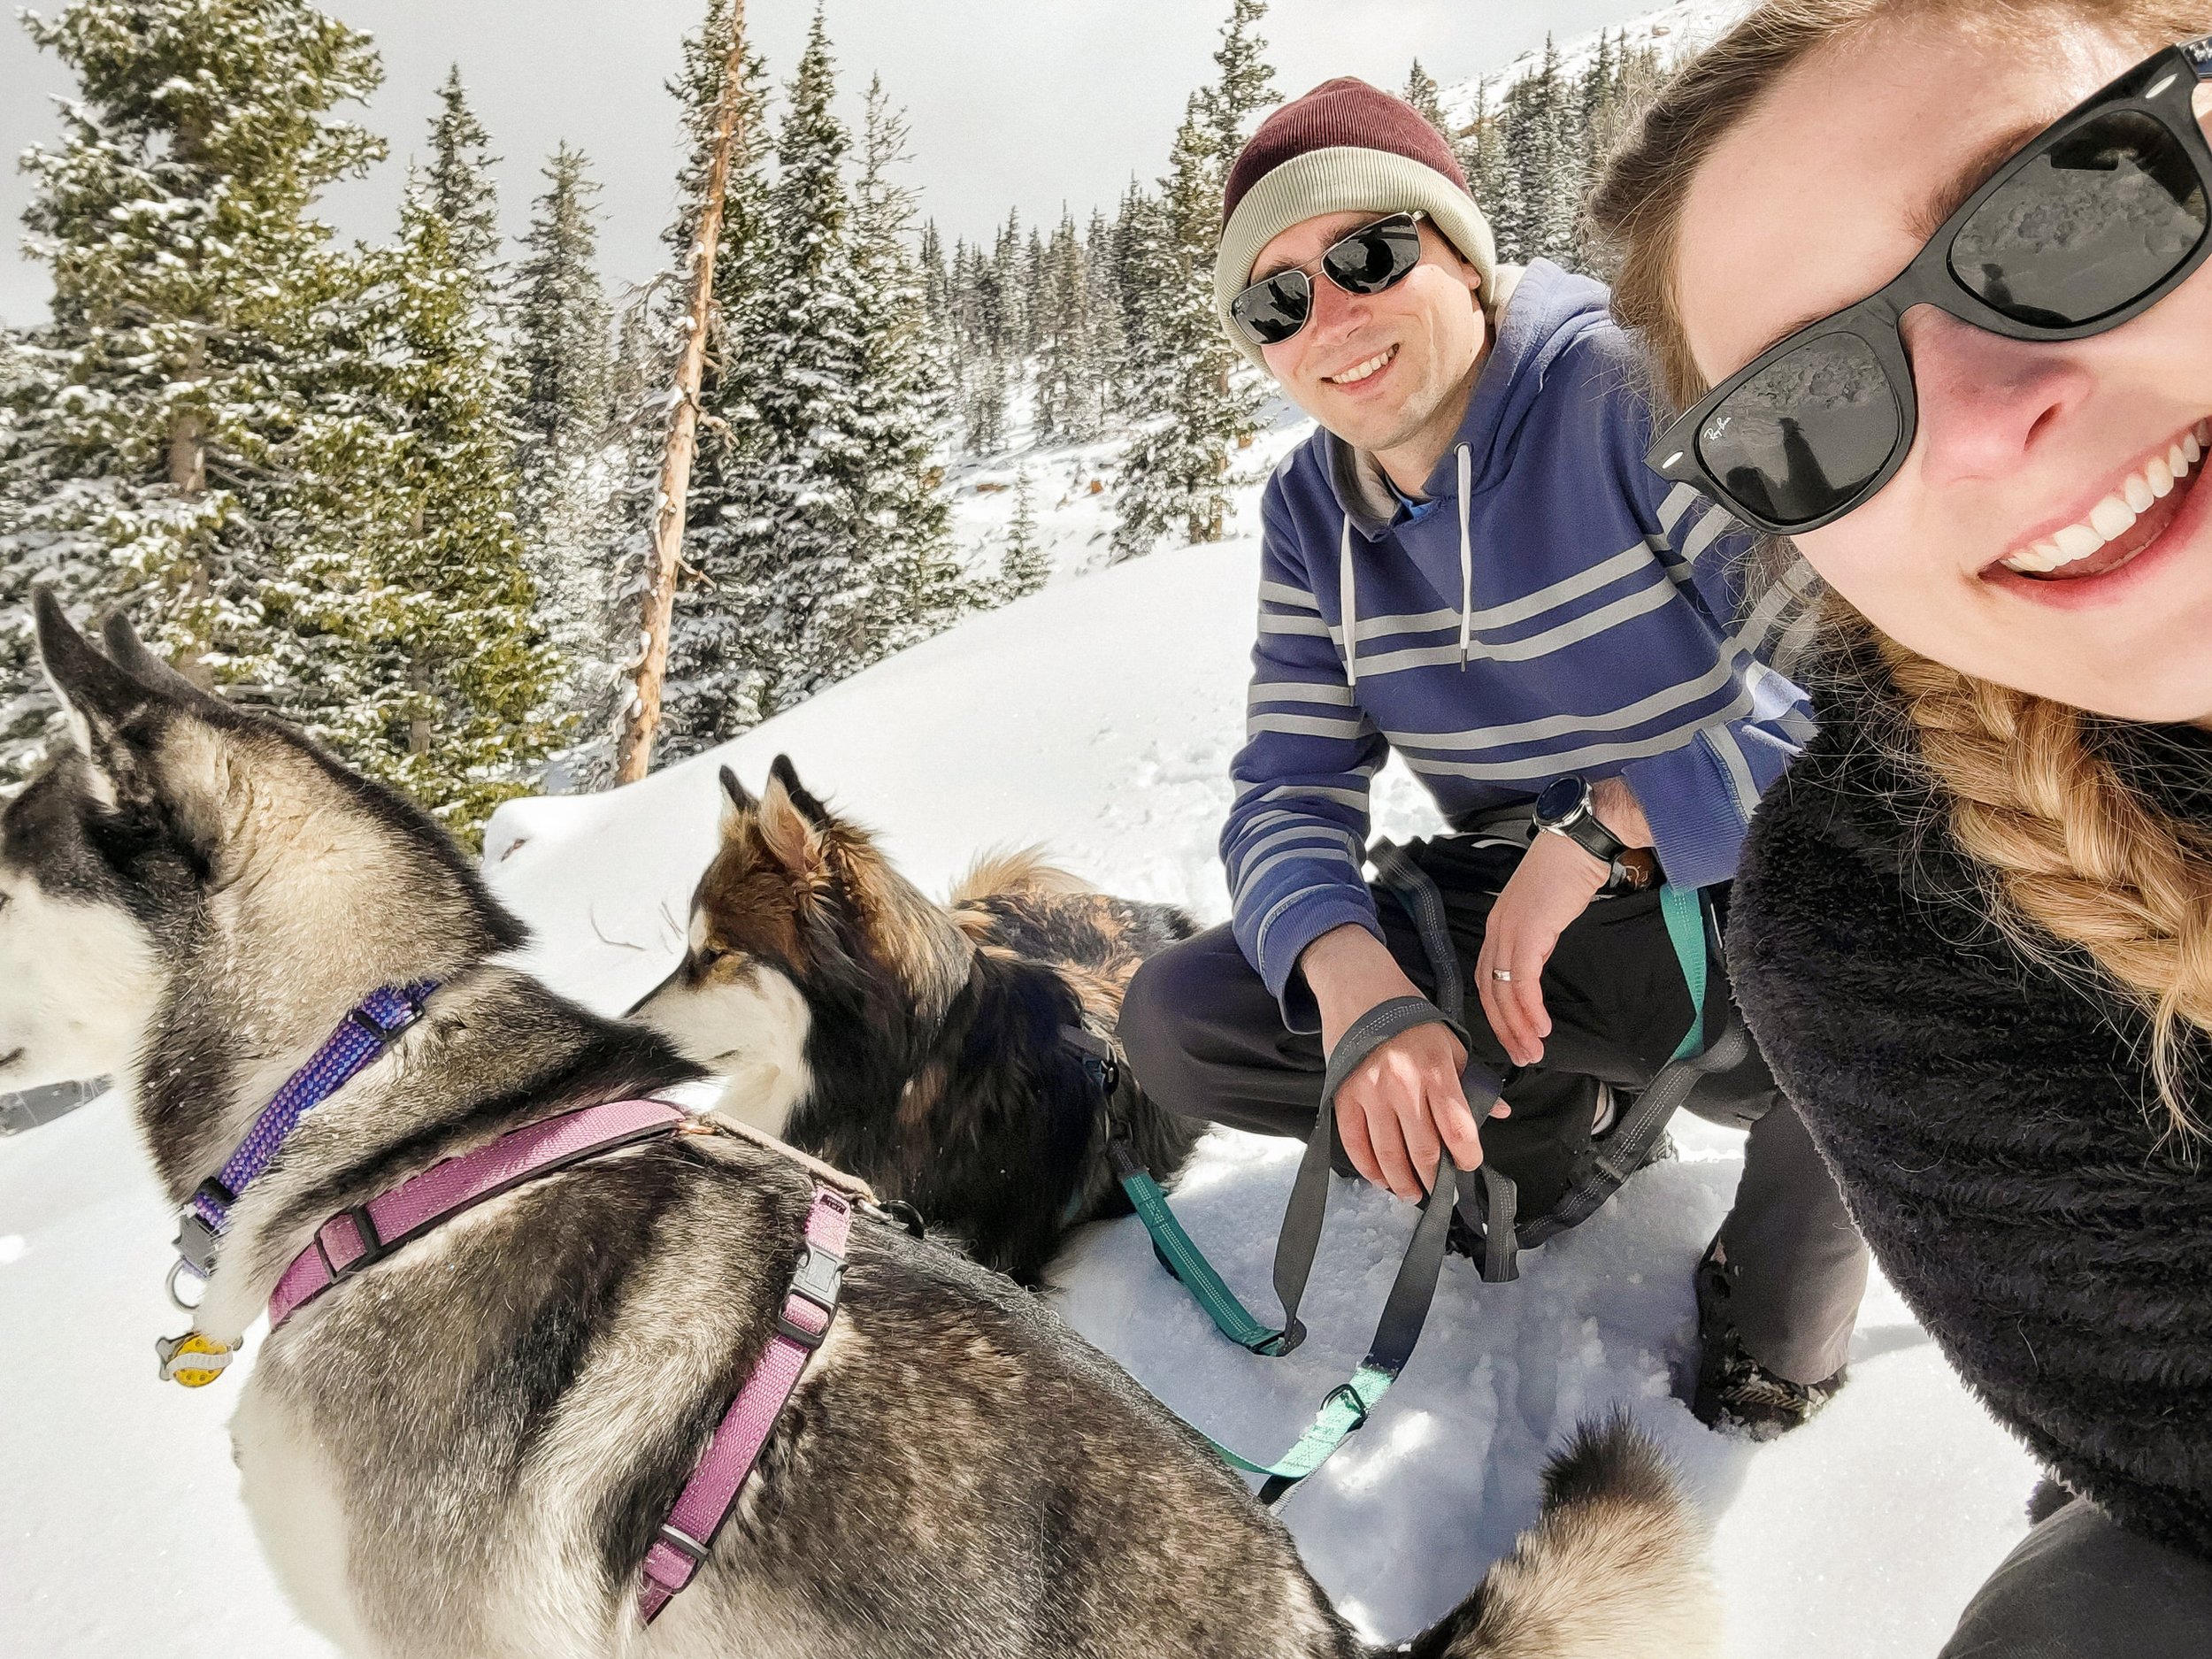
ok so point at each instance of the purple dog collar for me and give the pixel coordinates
(372, 1026)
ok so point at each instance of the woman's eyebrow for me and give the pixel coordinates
(1921, 222)
(1976, 171)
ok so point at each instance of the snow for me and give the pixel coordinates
(1676, 30)
(1097, 716)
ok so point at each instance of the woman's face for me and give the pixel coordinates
(1825, 193)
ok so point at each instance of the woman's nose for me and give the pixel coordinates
(1988, 403)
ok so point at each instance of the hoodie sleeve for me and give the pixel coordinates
(1294, 846)
(1698, 798)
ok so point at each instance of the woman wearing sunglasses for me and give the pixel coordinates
(1930, 280)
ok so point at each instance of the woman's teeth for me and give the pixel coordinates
(1355, 375)
(2114, 516)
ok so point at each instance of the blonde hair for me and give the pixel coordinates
(2071, 852)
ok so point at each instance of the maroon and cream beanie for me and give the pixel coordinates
(1343, 147)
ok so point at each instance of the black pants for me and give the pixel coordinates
(1207, 1040)
(2080, 1586)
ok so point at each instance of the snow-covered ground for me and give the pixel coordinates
(1097, 716)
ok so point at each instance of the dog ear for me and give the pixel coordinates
(130, 656)
(784, 772)
(737, 804)
(93, 689)
(99, 699)
(793, 838)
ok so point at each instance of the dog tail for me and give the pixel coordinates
(1614, 1568)
(1014, 871)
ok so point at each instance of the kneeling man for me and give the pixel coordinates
(1471, 564)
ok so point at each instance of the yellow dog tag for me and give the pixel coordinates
(192, 1359)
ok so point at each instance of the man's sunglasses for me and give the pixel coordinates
(2095, 220)
(1373, 258)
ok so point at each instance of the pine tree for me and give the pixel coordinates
(815, 613)
(1244, 85)
(1109, 346)
(1067, 377)
(1488, 178)
(1423, 93)
(1175, 474)
(567, 473)
(428, 665)
(1024, 566)
(983, 405)
(461, 183)
(902, 518)
(161, 419)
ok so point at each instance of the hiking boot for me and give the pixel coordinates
(1735, 1393)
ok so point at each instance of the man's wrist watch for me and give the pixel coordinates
(1564, 809)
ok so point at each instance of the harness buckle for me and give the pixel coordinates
(373, 1244)
(683, 1543)
(819, 1279)
(1358, 1404)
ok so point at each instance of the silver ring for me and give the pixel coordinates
(1503, 975)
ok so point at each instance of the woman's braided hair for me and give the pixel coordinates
(2073, 854)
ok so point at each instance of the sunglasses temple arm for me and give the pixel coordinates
(2199, 52)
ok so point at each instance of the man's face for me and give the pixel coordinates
(1376, 369)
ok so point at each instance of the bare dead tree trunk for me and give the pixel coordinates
(188, 477)
(643, 717)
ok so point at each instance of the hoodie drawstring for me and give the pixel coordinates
(1466, 563)
(1351, 606)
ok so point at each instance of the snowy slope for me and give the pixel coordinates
(1676, 30)
(1098, 717)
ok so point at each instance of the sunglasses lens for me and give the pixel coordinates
(1369, 261)
(2094, 223)
(1272, 311)
(1802, 438)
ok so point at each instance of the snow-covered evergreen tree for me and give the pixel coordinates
(459, 180)
(155, 434)
(983, 404)
(1244, 83)
(1102, 275)
(902, 518)
(567, 471)
(1423, 93)
(1024, 565)
(409, 606)
(1067, 397)
(1175, 474)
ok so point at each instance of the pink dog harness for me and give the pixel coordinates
(354, 1238)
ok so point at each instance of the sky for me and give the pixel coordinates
(1013, 104)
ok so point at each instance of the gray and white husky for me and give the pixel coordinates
(464, 1451)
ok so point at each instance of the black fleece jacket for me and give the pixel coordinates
(1992, 1120)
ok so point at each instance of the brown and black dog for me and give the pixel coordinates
(923, 1047)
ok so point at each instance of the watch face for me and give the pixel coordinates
(1559, 799)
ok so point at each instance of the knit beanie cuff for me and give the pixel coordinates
(1345, 180)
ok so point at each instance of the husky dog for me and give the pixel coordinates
(464, 1451)
(923, 1048)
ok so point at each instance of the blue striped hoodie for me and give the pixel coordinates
(1553, 608)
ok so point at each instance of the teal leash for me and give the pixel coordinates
(1346, 1408)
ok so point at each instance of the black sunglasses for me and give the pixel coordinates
(2095, 220)
(1373, 258)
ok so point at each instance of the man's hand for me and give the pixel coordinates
(1404, 1105)
(1554, 884)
